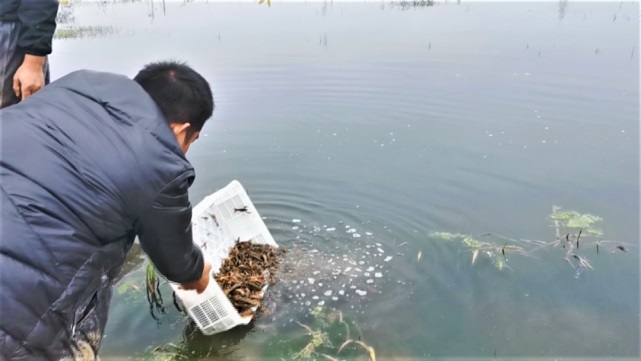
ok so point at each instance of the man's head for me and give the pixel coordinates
(183, 96)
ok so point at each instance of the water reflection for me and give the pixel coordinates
(562, 5)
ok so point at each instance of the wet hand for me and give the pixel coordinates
(29, 77)
(201, 284)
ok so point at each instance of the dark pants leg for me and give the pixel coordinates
(10, 60)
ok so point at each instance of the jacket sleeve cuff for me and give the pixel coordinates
(35, 52)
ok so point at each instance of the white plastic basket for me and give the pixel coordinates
(216, 229)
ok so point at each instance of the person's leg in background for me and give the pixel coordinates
(10, 60)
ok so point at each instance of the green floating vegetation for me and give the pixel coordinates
(76, 32)
(574, 219)
(575, 232)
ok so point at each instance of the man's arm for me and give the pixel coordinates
(165, 234)
(37, 26)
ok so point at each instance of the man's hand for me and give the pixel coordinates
(30, 76)
(200, 284)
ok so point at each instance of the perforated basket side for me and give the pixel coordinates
(227, 208)
(215, 313)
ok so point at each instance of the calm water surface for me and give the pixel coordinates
(359, 128)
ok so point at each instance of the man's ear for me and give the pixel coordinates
(179, 128)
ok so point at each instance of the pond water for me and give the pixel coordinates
(360, 129)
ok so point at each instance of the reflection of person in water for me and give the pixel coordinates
(218, 346)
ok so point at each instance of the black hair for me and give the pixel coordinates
(182, 94)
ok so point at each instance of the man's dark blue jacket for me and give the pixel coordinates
(86, 164)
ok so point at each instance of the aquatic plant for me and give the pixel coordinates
(77, 32)
(572, 230)
(329, 335)
(154, 297)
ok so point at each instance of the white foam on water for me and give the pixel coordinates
(368, 233)
(380, 250)
(388, 258)
(378, 275)
(361, 293)
(370, 269)
(370, 281)
(366, 274)
(328, 293)
(331, 229)
(295, 227)
(321, 303)
(356, 235)
(295, 220)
